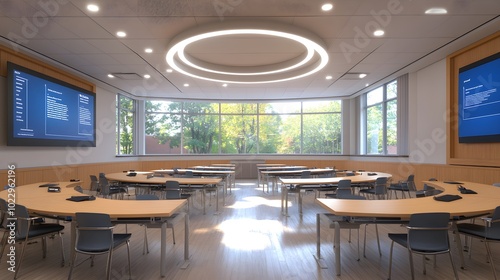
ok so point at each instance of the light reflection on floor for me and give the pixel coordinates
(254, 201)
(249, 234)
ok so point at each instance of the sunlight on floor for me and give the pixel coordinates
(249, 234)
(254, 201)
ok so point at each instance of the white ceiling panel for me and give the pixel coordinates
(87, 42)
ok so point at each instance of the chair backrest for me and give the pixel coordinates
(188, 174)
(344, 188)
(349, 173)
(78, 189)
(94, 232)
(381, 185)
(4, 208)
(305, 174)
(104, 185)
(94, 183)
(428, 232)
(22, 225)
(146, 197)
(172, 190)
(410, 182)
(496, 184)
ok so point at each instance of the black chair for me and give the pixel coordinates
(427, 235)
(489, 232)
(428, 190)
(94, 185)
(27, 230)
(407, 186)
(378, 190)
(94, 236)
(109, 190)
(4, 208)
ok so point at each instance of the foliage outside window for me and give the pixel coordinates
(125, 115)
(381, 120)
(243, 128)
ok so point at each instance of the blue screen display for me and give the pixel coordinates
(49, 112)
(479, 101)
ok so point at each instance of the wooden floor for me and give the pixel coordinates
(250, 239)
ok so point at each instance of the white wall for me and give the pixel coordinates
(427, 123)
(24, 157)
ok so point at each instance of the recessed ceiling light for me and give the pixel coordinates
(328, 77)
(169, 70)
(186, 85)
(148, 50)
(327, 7)
(147, 76)
(436, 11)
(110, 76)
(92, 7)
(121, 34)
(224, 85)
(378, 33)
(367, 85)
(362, 75)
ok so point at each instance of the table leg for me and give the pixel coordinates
(163, 247)
(318, 258)
(459, 244)
(186, 242)
(300, 200)
(336, 242)
(72, 242)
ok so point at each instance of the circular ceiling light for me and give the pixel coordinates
(312, 59)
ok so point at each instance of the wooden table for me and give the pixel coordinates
(263, 177)
(361, 177)
(471, 205)
(227, 174)
(144, 179)
(274, 174)
(40, 202)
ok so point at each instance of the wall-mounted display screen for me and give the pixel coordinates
(44, 111)
(479, 101)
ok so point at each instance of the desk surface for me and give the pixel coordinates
(143, 179)
(39, 201)
(296, 172)
(195, 171)
(484, 202)
(359, 178)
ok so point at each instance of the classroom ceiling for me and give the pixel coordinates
(244, 65)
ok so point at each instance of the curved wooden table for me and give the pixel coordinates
(40, 202)
(361, 177)
(471, 205)
(145, 179)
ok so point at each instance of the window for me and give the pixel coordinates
(125, 118)
(380, 114)
(242, 128)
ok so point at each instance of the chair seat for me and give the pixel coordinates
(422, 247)
(41, 230)
(479, 231)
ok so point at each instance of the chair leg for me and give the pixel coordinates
(72, 266)
(21, 258)
(411, 264)
(145, 246)
(423, 265)
(490, 257)
(453, 266)
(129, 267)
(390, 260)
(108, 266)
(62, 250)
(173, 234)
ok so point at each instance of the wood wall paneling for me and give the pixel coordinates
(477, 154)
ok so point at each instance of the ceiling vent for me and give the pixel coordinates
(127, 76)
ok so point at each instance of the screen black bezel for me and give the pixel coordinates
(12, 141)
